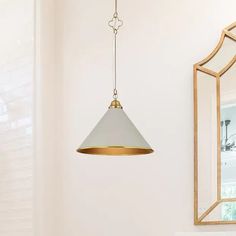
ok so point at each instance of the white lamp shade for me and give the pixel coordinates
(115, 134)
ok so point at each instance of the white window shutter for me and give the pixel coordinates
(16, 115)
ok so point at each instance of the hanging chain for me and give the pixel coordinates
(115, 23)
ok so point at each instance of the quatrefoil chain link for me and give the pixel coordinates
(115, 23)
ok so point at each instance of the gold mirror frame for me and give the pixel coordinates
(199, 219)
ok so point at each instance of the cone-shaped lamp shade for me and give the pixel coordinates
(116, 135)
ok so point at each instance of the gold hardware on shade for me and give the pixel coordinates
(115, 104)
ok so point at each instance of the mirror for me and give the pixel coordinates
(215, 133)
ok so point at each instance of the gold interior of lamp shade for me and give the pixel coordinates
(115, 151)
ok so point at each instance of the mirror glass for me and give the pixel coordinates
(207, 140)
(222, 213)
(223, 56)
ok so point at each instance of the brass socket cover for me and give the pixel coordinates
(115, 104)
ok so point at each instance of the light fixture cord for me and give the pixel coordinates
(115, 23)
(115, 95)
(115, 6)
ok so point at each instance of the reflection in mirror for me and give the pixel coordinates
(224, 212)
(228, 211)
(228, 142)
(228, 151)
(215, 134)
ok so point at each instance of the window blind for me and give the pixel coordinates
(16, 112)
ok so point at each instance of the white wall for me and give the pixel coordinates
(45, 181)
(158, 45)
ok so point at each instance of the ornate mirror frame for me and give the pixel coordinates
(202, 218)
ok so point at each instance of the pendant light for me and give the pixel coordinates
(115, 134)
